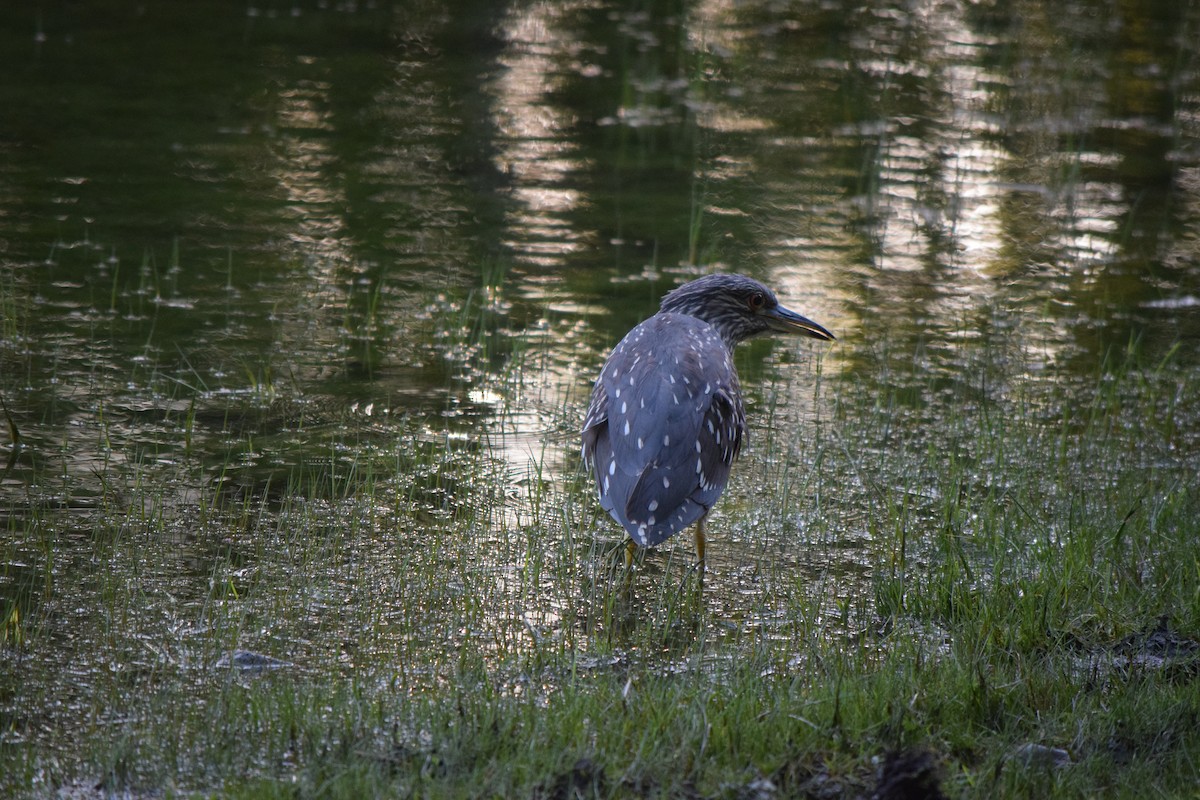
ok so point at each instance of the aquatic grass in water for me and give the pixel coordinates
(1016, 583)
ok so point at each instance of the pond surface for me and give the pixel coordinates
(302, 301)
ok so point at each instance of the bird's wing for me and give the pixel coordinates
(679, 487)
(720, 439)
(618, 431)
(595, 423)
(664, 425)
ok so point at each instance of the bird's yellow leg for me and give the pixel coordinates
(630, 549)
(699, 566)
(623, 553)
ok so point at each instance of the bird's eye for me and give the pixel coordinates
(757, 301)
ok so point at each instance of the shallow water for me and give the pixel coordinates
(302, 302)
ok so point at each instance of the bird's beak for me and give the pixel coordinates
(784, 321)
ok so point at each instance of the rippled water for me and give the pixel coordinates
(319, 289)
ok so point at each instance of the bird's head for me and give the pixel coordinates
(739, 308)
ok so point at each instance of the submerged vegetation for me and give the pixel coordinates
(998, 597)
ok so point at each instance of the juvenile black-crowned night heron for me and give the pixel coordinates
(666, 419)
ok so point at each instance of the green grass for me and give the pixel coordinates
(930, 568)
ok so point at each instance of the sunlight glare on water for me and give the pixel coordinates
(534, 150)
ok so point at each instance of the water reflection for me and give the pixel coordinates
(533, 148)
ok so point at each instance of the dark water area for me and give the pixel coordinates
(258, 251)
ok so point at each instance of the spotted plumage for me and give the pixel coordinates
(666, 420)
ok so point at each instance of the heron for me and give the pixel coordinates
(666, 418)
